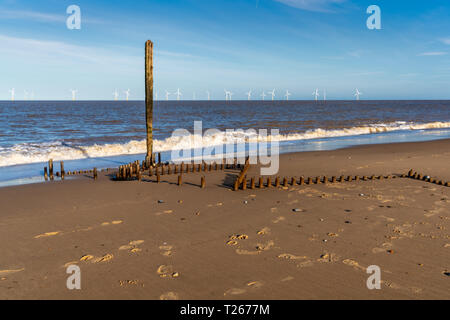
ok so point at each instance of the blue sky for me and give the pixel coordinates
(200, 45)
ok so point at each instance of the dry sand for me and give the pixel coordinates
(214, 243)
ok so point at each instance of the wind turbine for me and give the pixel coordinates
(287, 95)
(357, 94)
(324, 95)
(209, 95)
(273, 94)
(13, 92)
(228, 95)
(127, 92)
(249, 95)
(25, 92)
(178, 93)
(316, 94)
(32, 95)
(116, 95)
(263, 95)
(167, 95)
(74, 92)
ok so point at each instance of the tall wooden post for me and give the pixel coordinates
(149, 97)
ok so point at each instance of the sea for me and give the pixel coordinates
(106, 134)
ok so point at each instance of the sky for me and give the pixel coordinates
(238, 45)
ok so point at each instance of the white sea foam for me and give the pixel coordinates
(33, 153)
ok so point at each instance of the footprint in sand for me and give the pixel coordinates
(86, 257)
(353, 264)
(234, 292)
(305, 264)
(331, 234)
(247, 252)
(166, 250)
(395, 286)
(263, 231)
(133, 246)
(105, 258)
(47, 234)
(163, 212)
(278, 219)
(169, 296)
(8, 272)
(115, 222)
(126, 283)
(265, 246)
(250, 286)
(92, 259)
(233, 240)
(289, 256)
(328, 258)
(383, 248)
(387, 218)
(255, 284)
(288, 278)
(167, 272)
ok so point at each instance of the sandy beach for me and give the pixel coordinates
(143, 240)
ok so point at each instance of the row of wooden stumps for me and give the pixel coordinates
(49, 173)
(243, 183)
(423, 177)
(136, 170)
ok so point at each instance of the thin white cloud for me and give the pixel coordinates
(433, 53)
(445, 40)
(313, 5)
(356, 53)
(31, 15)
(59, 52)
(39, 16)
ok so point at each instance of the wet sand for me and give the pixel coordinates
(300, 242)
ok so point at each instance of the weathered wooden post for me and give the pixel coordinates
(63, 173)
(50, 168)
(95, 174)
(45, 174)
(203, 183)
(261, 183)
(180, 180)
(293, 181)
(236, 185)
(149, 98)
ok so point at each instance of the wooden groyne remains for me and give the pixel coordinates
(153, 168)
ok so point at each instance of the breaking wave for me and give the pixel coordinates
(25, 153)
